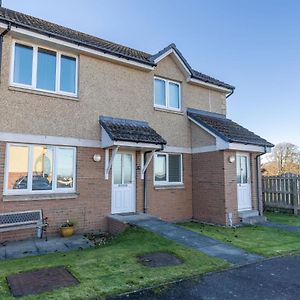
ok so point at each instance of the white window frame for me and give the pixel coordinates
(29, 190)
(35, 48)
(167, 90)
(167, 183)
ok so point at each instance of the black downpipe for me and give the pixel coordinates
(2, 34)
(258, 176)
(145, 182)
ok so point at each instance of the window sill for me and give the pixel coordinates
(35, 197)
(177, 112)
(169, 187)
(41, 93)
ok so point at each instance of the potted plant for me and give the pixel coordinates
(67, 229)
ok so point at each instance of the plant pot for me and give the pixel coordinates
(66, 231)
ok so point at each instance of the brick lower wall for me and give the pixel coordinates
(209, 187)
(171, 203)
(88, 210)
(215, 187)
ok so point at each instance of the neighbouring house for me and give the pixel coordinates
(90, 128)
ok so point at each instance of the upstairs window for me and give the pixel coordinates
(167, 94)
(167, 169)
(44, 70)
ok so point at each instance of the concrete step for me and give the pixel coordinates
(248, 213)
(254, 220)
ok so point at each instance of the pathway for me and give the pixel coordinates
(17, 249)
(190, 239)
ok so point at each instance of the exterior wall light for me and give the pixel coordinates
(97, 157)
(231, 159)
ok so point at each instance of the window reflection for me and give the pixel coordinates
(65, 167)
(42, 175)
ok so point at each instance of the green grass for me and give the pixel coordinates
(283, 218)
(113, 268)
(257, 239)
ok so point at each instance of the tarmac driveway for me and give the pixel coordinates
(277, 278)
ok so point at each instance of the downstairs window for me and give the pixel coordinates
(39, 169)
(168, 169)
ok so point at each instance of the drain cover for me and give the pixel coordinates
(35, 282)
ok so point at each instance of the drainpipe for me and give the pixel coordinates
(145, 182)
(258, 176)
(2, 34)
(232, 91)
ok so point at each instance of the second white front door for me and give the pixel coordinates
(123, 183)
(243, 182)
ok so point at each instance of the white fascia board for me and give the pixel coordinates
(174, 149)
(209, 85)
(249, 148)
(20, 32)
(136, 145)
(47, 140)
(173, 52)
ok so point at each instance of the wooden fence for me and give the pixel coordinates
(282, 192)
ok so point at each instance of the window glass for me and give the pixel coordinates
(117, 169)
(238, 170)
(127, 168)
(244, 170)
(65, 168)
(174, 168)
(23, 64)
(174, 95)
(160, 93)
(18, 168)
(68, 74)
(42, 168)
(46, 70)
(160, 168)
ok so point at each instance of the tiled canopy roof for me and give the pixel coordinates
(130, 131)
(53, 30)
(226, 129)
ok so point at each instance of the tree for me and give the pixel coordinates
(285, 158)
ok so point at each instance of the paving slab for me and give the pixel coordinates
(272, 279)
(20, 249)
(2, 252)
(285, 227)
(17, 249)
(192, 239)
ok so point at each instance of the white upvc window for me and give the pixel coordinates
(168, 169)
(39, 169)
(167, 94)
(43, 69)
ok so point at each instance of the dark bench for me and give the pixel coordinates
(20, 220)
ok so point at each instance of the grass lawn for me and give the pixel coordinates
(283, 218)
(113, 268)
(257, 239)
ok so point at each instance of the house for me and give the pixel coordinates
(90, 128)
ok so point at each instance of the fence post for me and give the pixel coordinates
(295, 195)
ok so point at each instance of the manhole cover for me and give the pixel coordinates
(159, 259)
(36, 282)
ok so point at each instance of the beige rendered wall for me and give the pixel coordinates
(105, 88)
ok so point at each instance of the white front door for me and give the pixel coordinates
(123, 183)
(243, 182)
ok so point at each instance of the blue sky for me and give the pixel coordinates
(254, 45)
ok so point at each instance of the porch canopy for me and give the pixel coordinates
(128, 134)
(226, 134)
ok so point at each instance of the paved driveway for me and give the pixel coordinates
(276, 279)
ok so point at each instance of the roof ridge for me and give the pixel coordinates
(77, 32)
(51, 29)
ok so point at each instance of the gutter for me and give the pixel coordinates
(2, 34)
(227, 96)
(77, 42)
